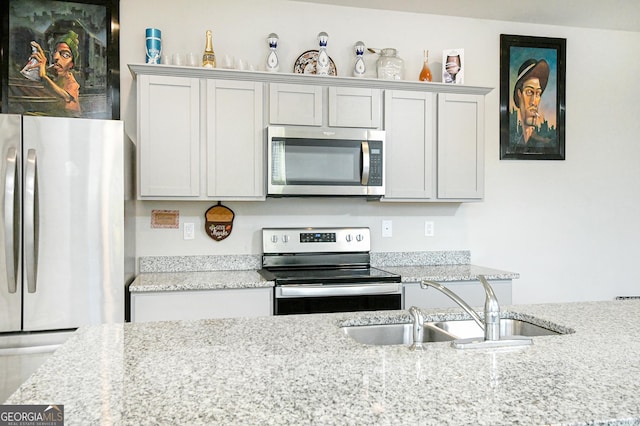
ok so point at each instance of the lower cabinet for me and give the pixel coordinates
(471, 292)
(193, 305)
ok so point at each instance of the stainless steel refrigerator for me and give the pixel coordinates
(62, 233)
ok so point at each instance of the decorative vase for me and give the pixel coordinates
(322, 66)
(425, 74)
(153, 44)
(359, 67)
(390, 66)
(273, 64)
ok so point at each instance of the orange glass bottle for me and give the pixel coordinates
(425, 74)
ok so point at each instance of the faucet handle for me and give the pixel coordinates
(417, 318)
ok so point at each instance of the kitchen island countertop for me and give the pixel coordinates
(303, 370)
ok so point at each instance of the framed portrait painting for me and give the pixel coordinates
(532, 97)
(60, 58)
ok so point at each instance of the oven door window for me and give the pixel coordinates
(318, 305)
(316, 162)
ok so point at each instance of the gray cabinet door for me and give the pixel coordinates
(460, 146)
(410, 152)
(235, 140)
(168, 136)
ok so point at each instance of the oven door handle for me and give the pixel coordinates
(338, 290)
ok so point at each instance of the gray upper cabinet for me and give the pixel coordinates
(310, 105)
(295, 104)
(168, 136)
(354, 107)
(460, 147)
(410, 125)
(435, 151)
(200, 139)
(235, 140)
(201, 132)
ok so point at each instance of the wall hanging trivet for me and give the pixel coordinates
(219, 222)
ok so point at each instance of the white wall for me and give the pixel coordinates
(570, 228)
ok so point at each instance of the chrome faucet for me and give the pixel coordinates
(491, 323)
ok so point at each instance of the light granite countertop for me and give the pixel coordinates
(443, 273)
(210, 280)
(215, 280)
(302, 370)
(179, 273)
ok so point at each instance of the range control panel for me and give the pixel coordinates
(318, 237)
(315, 240)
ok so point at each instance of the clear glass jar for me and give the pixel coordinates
(389, 65)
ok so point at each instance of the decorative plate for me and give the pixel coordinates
(306, 63)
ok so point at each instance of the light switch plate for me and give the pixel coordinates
(429, 229)
(189, 231)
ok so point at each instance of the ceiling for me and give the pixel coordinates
(623, 15)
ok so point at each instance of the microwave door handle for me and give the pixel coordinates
(366, 162)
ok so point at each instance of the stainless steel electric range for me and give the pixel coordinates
(319, 270)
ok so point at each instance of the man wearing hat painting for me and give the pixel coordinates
(63, 85)
(531, 81)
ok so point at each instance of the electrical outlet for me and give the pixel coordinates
(387, 228)
(189, 231)
(429, 229)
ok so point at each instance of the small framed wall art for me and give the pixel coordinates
(532, 97)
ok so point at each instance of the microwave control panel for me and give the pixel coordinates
(375, 163)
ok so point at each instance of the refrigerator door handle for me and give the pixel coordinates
(30, 217)
(9, 219)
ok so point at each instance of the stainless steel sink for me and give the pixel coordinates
(392, 334)
(466, 329)
(439, 331)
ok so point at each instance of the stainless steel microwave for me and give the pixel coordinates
(310, 161)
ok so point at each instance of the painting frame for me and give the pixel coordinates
(536, 132)
(98, 69)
